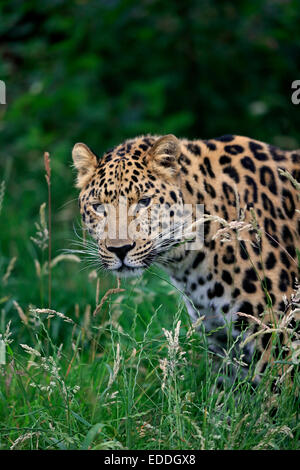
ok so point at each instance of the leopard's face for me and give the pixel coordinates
(126, 198)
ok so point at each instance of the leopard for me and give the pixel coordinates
(244, 269)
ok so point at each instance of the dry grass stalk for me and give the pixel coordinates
(117, 290)
(163, 364)
(60, 258)
(194, 326)
(21, 313)
(97, 291)
(2, 193)
(51, 313)
(173, 340)
(37, 268)
(9, 269)
(30, 350)
(77, 310)
(87, 321)
(116, 368)
(289, 177)
(254, 319)
(175, 355)
(47, 163)
(23, 438)
(42, 234)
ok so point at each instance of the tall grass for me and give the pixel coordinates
(124, 368)
(119, 380)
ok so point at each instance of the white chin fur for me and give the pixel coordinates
(127, 272)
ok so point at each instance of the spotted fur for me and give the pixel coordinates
(232, 176)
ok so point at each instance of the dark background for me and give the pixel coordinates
(102, 71)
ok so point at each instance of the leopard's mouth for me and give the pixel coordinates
(129, 267)
(125, 270)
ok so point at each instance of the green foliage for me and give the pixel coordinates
(100, 72)
(123, 382)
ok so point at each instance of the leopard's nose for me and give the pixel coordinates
(121, 251)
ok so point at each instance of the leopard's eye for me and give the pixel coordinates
(144, 202)
(99, 208)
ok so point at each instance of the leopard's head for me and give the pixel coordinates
(130, 200)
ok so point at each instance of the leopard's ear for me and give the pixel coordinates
(85, 163)
(164, 155)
